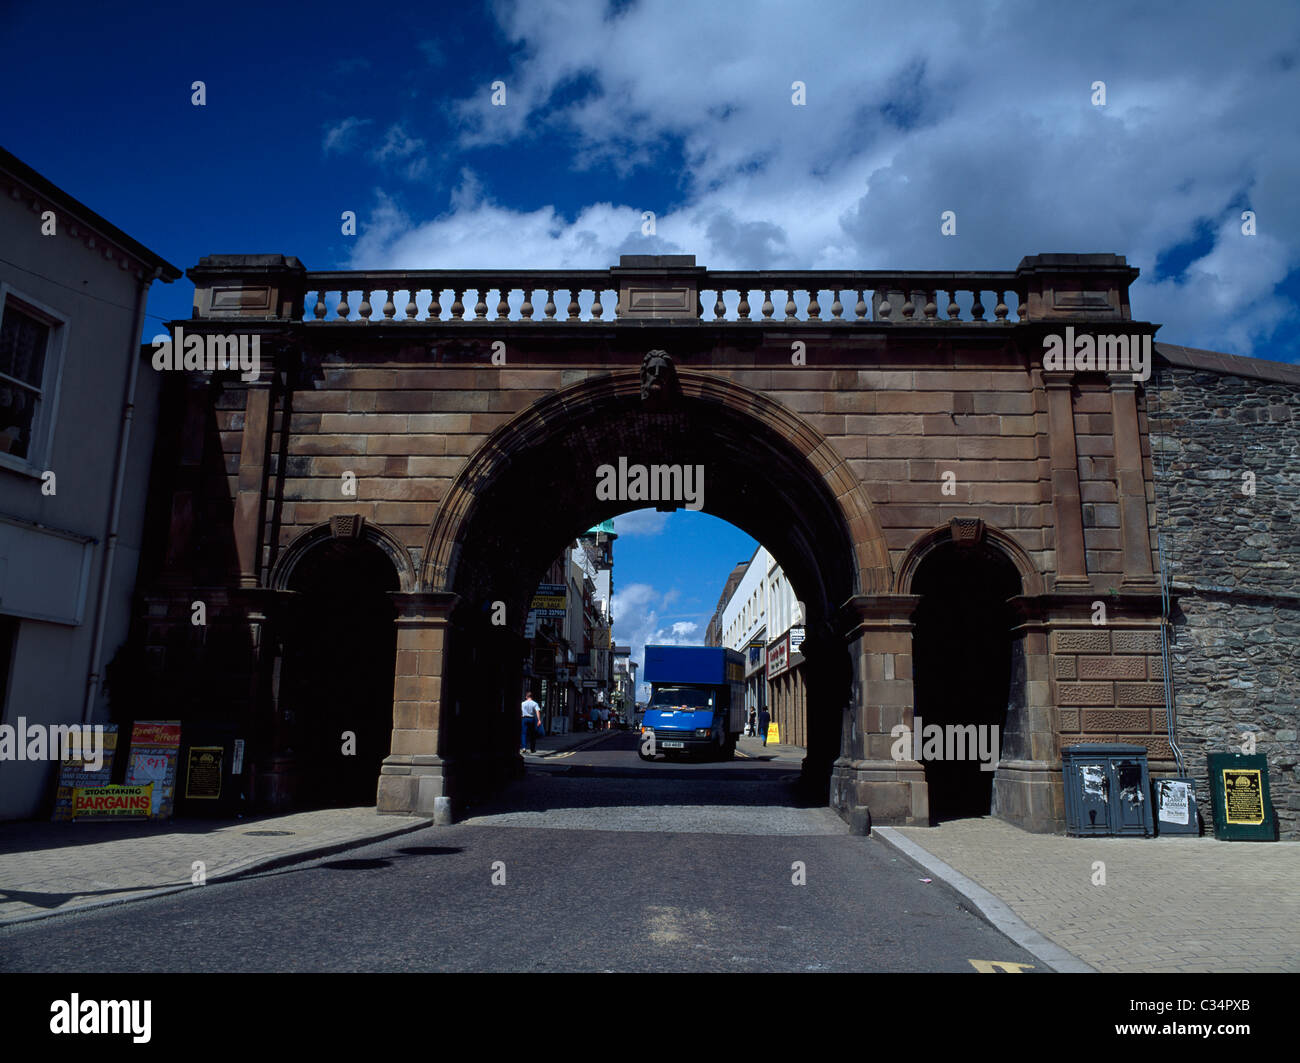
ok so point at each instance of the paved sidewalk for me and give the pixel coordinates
(1171, 904)
(754, 749)
(52, 868)
(553, 745)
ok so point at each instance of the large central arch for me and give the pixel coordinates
(530, 489)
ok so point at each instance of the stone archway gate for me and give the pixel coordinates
(926, 392)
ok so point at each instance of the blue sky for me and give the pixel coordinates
(669, 569)
(985, 109)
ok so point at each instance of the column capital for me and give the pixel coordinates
(1055, 379)
(876, 612)
(415, 608)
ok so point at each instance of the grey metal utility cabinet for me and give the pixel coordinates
(1106, 788)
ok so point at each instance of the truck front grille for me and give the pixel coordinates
(675, 736)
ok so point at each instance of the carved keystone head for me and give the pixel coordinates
(347, 527)
(967, 531)
(659, 383)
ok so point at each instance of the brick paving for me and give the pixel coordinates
(1168, 904)
(49, 868)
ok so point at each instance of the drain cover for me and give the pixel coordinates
(267, 833)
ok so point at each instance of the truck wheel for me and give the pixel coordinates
(728, 750)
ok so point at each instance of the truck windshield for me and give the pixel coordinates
(681, 697)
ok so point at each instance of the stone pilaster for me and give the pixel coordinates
(1135, 528)
(1067, 508)
(186, 486)
(253, 454)
(412, 780)
(867, 784)
(1027, 784)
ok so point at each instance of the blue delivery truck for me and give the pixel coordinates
(697, 701)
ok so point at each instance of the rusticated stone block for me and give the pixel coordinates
(1136, 641)
(1096, 640)
(1085, 693)
(1093, 739)
(1112, 668)
(1140, 694)
(1138, 720)
(1069, 719)
(1066, 667)
(1157, 745)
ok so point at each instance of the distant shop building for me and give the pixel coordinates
(762, 619)
(570, 667)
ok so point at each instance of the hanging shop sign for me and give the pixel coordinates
(543, 660)
(778, 656)
(551, 600)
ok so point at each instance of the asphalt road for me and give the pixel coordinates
(607, 866)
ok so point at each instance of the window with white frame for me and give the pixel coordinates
(31, 346)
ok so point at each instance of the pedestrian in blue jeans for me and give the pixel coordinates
(530, 716)
(764, 718)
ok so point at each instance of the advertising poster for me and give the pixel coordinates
(1173, 806)
(155, 750)
(111, 802)
(73, 775)
(551, 600)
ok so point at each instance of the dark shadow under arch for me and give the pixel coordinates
(967, 670)
(282, 575)
(336, 683)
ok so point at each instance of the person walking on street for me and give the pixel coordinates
(530, 716)
(751, 723)
(764, 718)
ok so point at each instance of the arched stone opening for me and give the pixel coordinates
(335, 688)
(955, 574)
(531, 489)
(968, 674)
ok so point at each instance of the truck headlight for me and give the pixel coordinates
(702, 732)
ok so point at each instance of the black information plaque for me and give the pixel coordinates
(203, 773)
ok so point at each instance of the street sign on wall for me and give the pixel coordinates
(550, 600)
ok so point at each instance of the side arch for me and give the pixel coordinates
(368, 532)
(958, 530)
